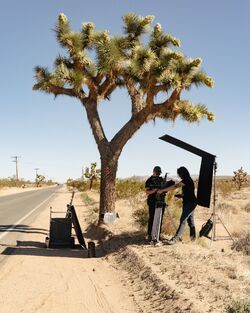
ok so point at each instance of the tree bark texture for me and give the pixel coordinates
(107, 188)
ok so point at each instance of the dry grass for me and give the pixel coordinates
(242, 306)
(242, 243)
(247, 207)
(225, 187)
(11, 182)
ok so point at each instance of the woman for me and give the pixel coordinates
(189, 204)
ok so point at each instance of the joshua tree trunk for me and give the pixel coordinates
(107, 188)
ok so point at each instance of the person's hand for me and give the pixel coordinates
(159, 192)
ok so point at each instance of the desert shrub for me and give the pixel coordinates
(247, 207)
(140, 216)
(12, 182)
(225, 187)
(128, 188)
(242, 244)
(174, 207)
(134, 192)
(79, 184)
(170, 223)
(242, 306)
(87, 200)
(140, 213)
(225, 208)
(50, 182)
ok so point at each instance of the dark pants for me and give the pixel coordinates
(151, 213)
(186, 216)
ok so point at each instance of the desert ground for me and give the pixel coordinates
(128, 274)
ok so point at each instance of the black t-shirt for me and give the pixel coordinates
(154, 182)
(188, 191)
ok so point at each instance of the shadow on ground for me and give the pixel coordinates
(107, 242)
(21, 228)
(37, 248)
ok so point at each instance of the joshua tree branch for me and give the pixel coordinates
(56, 90)
(164, 106)
(107, 86)
(136, 97)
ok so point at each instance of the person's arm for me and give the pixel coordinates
(178, 185)
(150, 191)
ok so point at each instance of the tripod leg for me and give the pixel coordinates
(213, 235)
(225, 228)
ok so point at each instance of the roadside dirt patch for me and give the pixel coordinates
(186, 277)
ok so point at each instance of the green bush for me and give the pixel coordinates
(79, 184)
(140, 212)
(140, 216)
(12, 182)
(242, 306)
(126, 188)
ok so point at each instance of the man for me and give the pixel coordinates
(152, 185)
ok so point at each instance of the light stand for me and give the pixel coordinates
(215, 217)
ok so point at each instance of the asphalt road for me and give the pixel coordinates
(18, 210)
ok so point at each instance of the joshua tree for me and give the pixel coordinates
(240, 177)
(144, 69)
(40, 179)
(92, 174)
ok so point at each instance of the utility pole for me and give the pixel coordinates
(36, 169)
(16, 161)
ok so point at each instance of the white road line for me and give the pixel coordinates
(24, 217)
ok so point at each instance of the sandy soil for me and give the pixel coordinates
(35, 279)
(128, 275)
(192, 277)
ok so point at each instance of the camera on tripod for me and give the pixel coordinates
(165, 184)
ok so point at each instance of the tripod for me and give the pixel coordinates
(215, 217)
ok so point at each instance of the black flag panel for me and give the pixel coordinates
(206, 169)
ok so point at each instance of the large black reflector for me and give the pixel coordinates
(206, 169)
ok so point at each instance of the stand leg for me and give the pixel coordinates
(214, 218)
(225, 228)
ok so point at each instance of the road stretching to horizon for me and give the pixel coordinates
(18, 210)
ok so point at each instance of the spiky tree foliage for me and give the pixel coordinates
(240, 177)
(92, 174)
(40, 179)
(144, 68)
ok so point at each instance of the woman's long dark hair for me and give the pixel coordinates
(183, 172)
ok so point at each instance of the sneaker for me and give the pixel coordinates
(156, 243)
(171, 242)
(149, 237)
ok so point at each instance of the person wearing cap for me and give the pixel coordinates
(152, 185)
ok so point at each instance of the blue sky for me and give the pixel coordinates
(54, 136)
